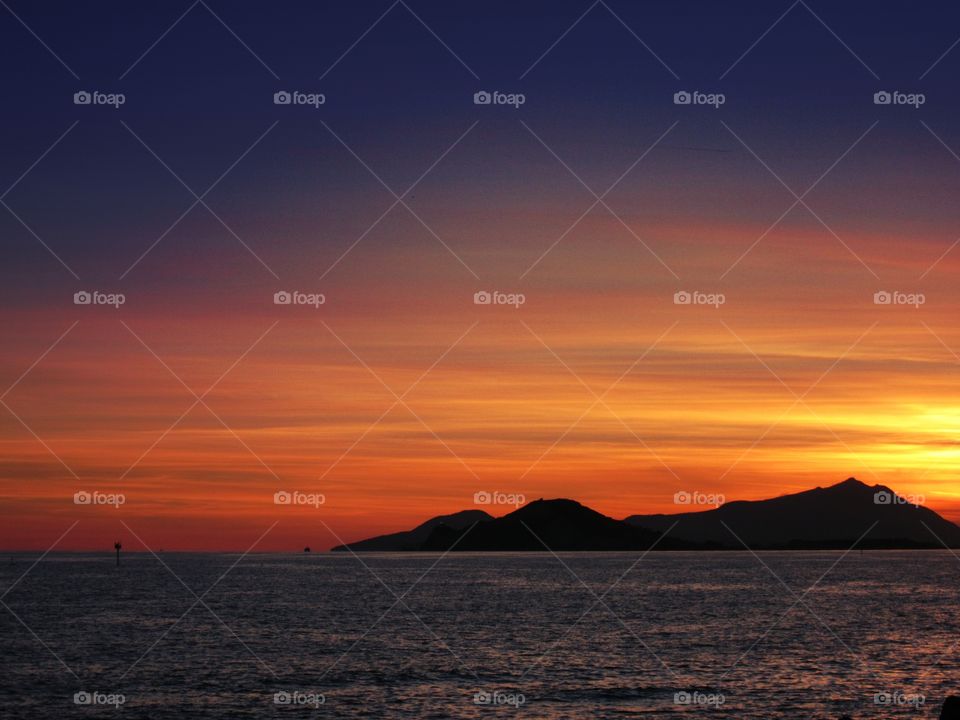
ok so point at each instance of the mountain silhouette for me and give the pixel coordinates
(840, 516)
(831, 517)
(413, 539)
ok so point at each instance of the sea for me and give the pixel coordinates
(770, 635)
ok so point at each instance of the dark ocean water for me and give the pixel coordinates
(325, 635)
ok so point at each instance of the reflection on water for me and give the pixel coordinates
(482, 635)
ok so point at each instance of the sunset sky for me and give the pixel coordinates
(399, 397)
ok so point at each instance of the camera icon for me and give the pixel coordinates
(882, 497)
(282, 297)
(681, 698)
(682, 98)
(482, 698)
(682, 497)
(282, 98)
(882, 297)
(82, 698)
(882, 698)
(282, 497)
(482, 98)
(882, 98)
(282, 698)
(82, 298)
(82, 497)
(682, 297)
(482, 298)
(82, 98)
(482, 498)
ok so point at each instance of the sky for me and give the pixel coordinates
(788, 207)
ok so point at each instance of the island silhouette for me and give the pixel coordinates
(846, 515)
